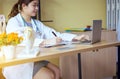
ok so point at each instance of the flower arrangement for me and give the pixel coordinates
(10, 39)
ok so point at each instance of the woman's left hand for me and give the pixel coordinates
(81, 38)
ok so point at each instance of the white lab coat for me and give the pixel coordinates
(16, 24)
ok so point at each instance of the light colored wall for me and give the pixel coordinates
(73, 13)
(7, 6)
(0, 7)
(67, 13)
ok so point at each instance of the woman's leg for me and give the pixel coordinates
(44, 73)
(55, 70)
(46, 68)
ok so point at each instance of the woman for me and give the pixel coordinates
(20, 17)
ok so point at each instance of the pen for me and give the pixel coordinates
(54, 34)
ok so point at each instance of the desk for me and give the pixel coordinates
(55, 52)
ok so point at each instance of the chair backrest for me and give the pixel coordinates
(2, 24)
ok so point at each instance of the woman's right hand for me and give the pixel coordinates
(81, 38)
(52, 41)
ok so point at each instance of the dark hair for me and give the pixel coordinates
(18, 7)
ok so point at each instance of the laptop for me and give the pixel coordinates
(96, 36)
(96, 33)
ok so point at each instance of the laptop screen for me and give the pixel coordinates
(96, 32)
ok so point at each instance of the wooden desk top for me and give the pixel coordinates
(47, 53)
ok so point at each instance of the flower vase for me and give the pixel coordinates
(8, 51)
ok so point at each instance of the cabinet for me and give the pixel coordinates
(98, 64)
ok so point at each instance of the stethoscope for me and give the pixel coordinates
(35, 28)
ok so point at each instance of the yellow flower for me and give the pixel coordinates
(10, 39)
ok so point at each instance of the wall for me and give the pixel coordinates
(67, 13)
(73, 13)
(6, 6)
(0, 8)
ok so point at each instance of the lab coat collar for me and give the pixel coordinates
(19, 18)
(22, 22)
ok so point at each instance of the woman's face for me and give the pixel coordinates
(31, 9)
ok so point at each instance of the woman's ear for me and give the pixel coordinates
(23, 5)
